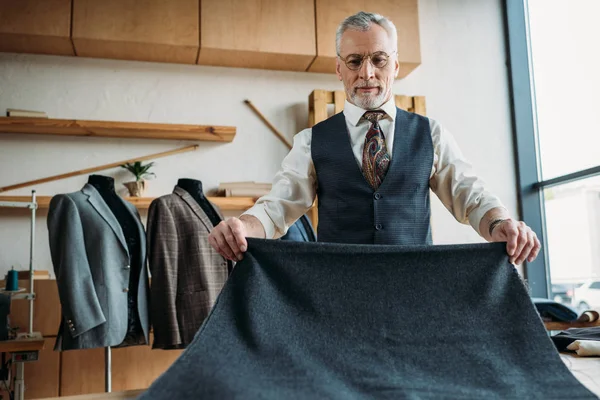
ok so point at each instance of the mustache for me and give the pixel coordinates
(367, 84)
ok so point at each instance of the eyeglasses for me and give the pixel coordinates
(379, 59)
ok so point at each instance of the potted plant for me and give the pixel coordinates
(141, 172)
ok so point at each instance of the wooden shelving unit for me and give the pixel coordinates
(133, 130)
(142, 203)
(562, 326)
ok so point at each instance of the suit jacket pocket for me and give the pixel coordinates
(192, 309)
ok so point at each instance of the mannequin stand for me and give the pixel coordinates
(107, 370)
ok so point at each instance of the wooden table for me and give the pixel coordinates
(126, 395)
(585, 369)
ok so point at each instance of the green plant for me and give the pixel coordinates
(138, 170)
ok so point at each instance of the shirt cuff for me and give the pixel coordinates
(477, 214)
(258, 211)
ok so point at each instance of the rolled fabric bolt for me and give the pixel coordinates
(12, 280)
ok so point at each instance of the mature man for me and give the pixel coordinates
(372, 166)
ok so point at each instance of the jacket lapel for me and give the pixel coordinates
(98, 203)
(193, 204)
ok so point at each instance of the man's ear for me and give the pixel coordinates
(396, 67)
(338, 68)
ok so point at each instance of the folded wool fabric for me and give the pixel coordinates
(585, 348)
(301, 320)
(552, 311)
(563, 339)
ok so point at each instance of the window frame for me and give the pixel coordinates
(530, 186)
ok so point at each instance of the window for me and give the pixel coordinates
(554, 62)
(565, 61)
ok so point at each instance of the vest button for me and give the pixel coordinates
(378, 226)
(377, 196)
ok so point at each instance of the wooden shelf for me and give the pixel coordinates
(23, 344)
(135, 130)
(561, 326)
(142, 203)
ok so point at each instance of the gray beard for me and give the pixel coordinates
(368, 102)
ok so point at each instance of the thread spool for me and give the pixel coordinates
(12, 280)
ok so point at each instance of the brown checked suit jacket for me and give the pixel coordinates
(187, 273)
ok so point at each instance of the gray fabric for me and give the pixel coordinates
(350, 211)
(301, 320)
(91, 263)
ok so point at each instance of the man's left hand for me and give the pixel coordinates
(521, 242)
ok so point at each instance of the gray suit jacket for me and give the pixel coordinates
(91, 263)
(187, 273)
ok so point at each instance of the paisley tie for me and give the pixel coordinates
(376, 159)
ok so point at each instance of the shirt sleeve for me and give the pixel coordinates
(293, 191)
(454, 182)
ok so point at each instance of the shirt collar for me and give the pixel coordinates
(354, 113)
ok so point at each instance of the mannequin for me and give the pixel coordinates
(194, 188)
(105, 185)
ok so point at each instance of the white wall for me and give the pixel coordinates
(463, 77)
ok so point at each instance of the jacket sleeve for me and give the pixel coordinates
(163, 250)
(80, 306)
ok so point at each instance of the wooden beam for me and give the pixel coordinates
(419, 105)
(142, 203)
(339, 99)
(137, 130)
(269, 124)
(98, 168)
(23, 344)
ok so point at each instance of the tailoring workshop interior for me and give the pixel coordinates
(178, 114)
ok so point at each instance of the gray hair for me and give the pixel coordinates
(362, 21)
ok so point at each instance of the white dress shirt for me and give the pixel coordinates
(295, 185)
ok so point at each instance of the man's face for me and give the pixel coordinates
(368, 87)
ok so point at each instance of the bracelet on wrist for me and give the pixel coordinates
(495, 223)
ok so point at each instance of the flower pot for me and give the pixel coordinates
(136, 188)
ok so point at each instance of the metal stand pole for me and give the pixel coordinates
(20, 381)
(31, 248)
(107, 370)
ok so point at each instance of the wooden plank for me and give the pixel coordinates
(561, 326)
(404, 102)
(125, 395)
(133, 130)
(318, 100)
(224, 203)
(339, 98)
(266, 34)
(98, 168)
(269, 124)
(22, 344)
(126, 374)
(147, 30)
(33, 26)
(82, 372)
(419, 105)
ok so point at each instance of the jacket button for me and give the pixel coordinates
(377, 196)
(127, 267)
(378, 226)
(125, 290)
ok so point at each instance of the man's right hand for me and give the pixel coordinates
(229, 237)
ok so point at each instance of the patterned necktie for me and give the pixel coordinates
(376, 159)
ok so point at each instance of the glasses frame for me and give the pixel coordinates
(370, 57)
